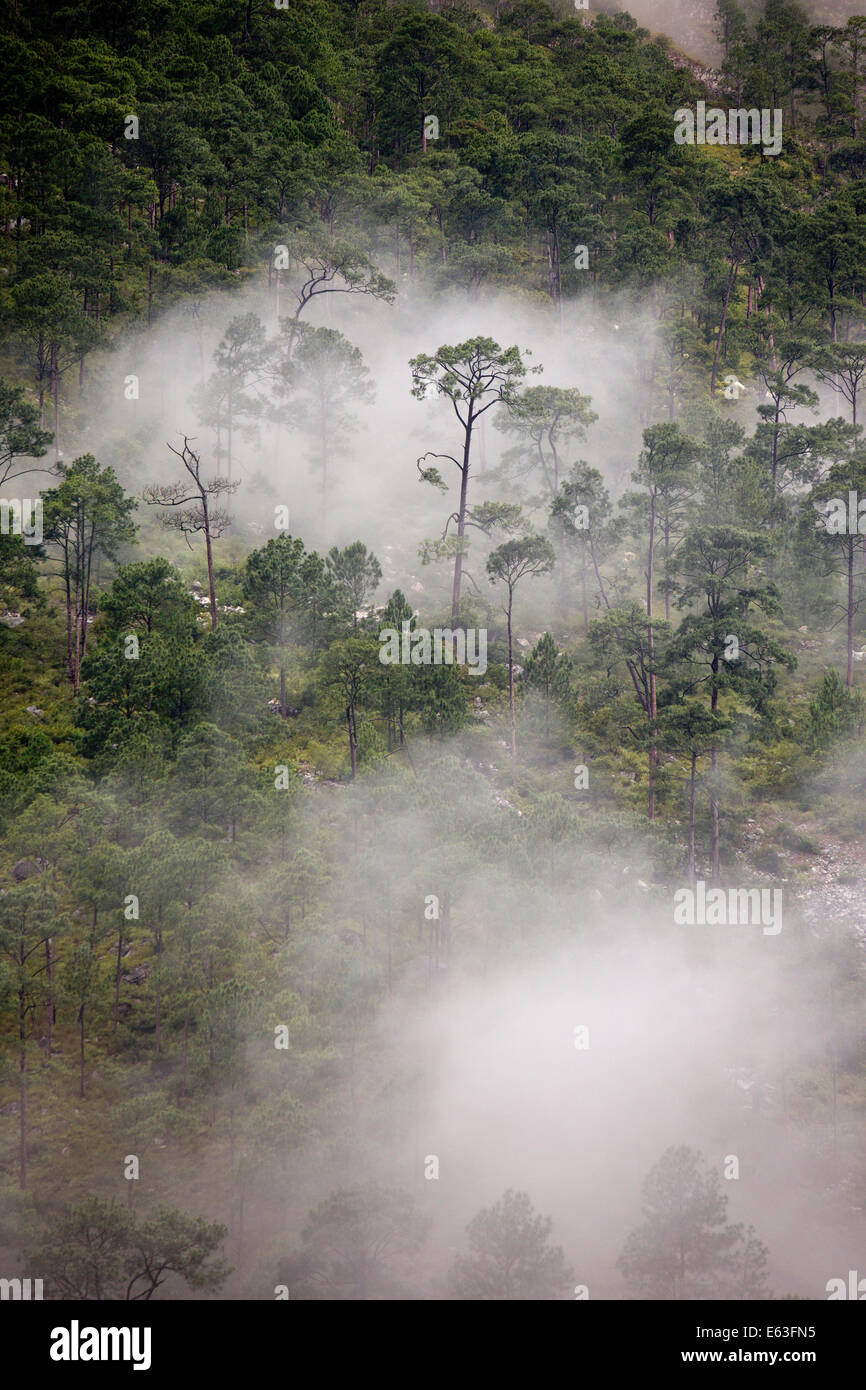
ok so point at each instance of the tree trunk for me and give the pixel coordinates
(551, 272)
(666, 560)
(55, 395)
(79, 618)
(81, 1051)
(734, 266)
(461, 520)
(775, 469)
(118, 966)
(692, 819)
(653, 754)
(293, 333)
(353, 738)
(230, 439)
(210, 578)
(49, 1008)
(88, 571)
(22, 1096)
(185, 1056)
(511, 689)
(851, 607)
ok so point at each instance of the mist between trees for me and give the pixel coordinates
(325, 977)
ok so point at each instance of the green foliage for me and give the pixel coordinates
(99, 1251)
(834, 712)
(357, 1245)
(686, 1248)
(198, 779)
(510, 1256)
(356, 574)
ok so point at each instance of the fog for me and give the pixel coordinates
(689, 23)
(375, 491)
(693, 1031)
(673, 1042)
(694, 1034)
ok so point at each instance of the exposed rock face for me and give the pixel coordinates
(688, 23)
(712, 79)
(26, 868)
(137, 975)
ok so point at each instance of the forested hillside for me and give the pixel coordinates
(334, 950)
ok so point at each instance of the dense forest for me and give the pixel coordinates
(430, 570)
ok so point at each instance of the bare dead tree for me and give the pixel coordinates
(335, 269)
(196, 512)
